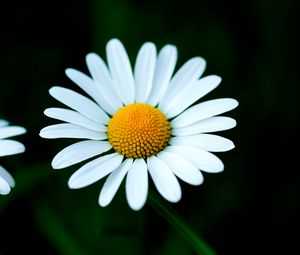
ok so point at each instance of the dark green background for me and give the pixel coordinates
(250, 208)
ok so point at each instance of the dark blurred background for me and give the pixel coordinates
(250, 208)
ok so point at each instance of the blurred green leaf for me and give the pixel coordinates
(26, 180)
(115, 229)
(53, 228)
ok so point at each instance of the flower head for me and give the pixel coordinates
(139, 122)
(8, 147)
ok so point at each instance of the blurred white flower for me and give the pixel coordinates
(139, 122)
(8, 147)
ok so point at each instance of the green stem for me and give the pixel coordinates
(199, 245)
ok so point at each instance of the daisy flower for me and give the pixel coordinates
(8, 147)
(139, 122)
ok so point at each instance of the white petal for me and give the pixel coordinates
(137, 184)
(204, 141)
(71, 131)
(89, 86)
(182, 168)
(212, 124)
(3, 123)
(10, 147)
(79, 103)
(187, 74)
(121, 70)
(73, 117)
(113, 182)
(204, 110)
(7, 177)
(10, 131)
(164, 179)
(164, 69)
(95, 170)
(190, 94)
(202, 159)
(78, 152)
(103, 80)
(144, 71)
(4, 187)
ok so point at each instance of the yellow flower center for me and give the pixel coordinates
(138, 131)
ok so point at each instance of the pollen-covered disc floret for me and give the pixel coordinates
(138, 131)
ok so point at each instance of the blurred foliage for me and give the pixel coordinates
(251, 208)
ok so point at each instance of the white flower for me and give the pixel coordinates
(141, 121)
(8, 147)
